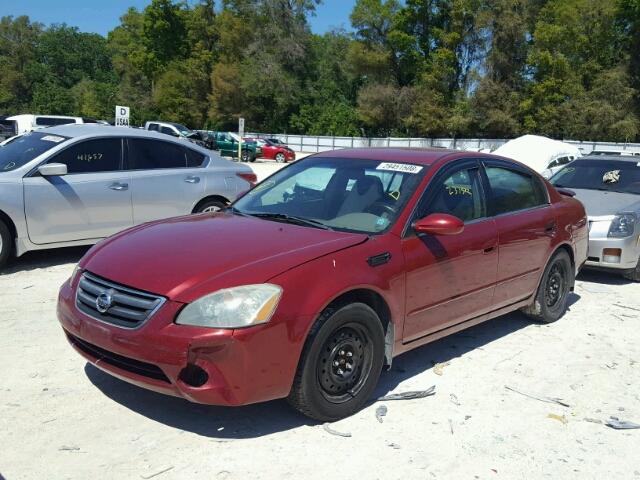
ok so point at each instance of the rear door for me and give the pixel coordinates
(167, 179)
(450, 279)
(92, 201)
(526, 224)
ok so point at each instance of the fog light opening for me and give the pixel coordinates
(193, 375)
(611, 255)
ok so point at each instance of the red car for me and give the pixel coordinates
(311, 283)
(274, 149)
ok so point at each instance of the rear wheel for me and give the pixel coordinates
(247, 156)
(280, 158)
(550, 302)
(210, 206)
(340, 364)
(6, 243)
(634, 275)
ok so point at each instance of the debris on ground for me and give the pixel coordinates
(454, 399)
(617, 424)
(64, 448)
(451, 426)
(328, 429)
(395, 446)
(593, 420)
(561, 418)
(146, 477)
(558, 401)
(413, 395)
(439, 367)
(381, 411)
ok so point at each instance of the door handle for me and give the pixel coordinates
(119, 186)
(489, 249)
(192, 179)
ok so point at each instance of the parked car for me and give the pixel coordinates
(544, 155)
(178, 131)
(75, 184)
(361, 255)
(227, 144)
(274, 151)
(611, 153)
(609, 188)
(17, 124)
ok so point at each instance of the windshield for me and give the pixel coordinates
(25, 148)
(609, 175)
(364, 196)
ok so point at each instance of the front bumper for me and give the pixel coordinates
(629, 248)
(242, 366)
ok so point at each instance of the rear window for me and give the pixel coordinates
(51, 121)
(8, 128)
(22, 150)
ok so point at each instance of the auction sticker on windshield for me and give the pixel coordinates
(399, 167)
(52, 138)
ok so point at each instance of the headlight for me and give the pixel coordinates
(236, 307)
(74, 275)
(622, 225)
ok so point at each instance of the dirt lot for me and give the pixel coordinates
(61, 418)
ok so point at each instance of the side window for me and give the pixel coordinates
(153, 126)
(101, 155)
(52, 121)
(168, 131)
(513, 191)
(147, 154)
(459, 194)
(194, 159)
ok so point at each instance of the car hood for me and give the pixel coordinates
(184, 258)
(599, 203)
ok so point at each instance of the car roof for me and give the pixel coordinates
(613, 158)
(97, 129)
(423, 156)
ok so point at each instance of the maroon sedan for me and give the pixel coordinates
(311, 283)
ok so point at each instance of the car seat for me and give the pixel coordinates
(366, 191)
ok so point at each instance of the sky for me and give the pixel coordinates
(101, 16)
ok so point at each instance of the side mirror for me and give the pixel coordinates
(52, 169)
(439, 224)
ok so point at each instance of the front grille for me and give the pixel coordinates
(126, 307)
(124, 363)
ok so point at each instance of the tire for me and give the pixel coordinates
(340, 364)
(6, 243)
(280, 158)
(246, 156)
(551, 300)
(634, 275)
(210, 206)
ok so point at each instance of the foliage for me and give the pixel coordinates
(487, 68)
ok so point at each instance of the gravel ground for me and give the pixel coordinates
(62, 418)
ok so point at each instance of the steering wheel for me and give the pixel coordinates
(379, 208)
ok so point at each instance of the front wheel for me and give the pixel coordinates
(280, 158)
(340, 364)
(551, 300)
(5, 243)
(634, 275)
(210, 206)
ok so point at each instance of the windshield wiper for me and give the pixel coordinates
(235, 211)
(292, 219)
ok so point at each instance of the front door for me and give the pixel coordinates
(450, 279)
(92, 201)
(167, 179)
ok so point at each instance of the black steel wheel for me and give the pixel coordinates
(340, 364)
(551, 300)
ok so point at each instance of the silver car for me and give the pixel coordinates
(76, 184)
(609, 188)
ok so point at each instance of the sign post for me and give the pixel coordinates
(240, 134)
(122, 116)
